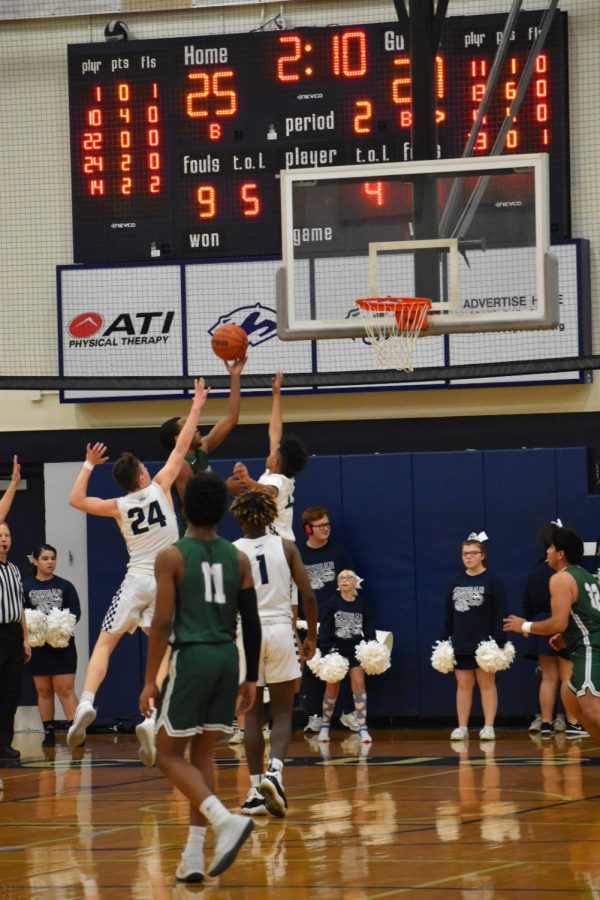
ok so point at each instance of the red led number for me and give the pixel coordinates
(285, 63)
(251, 205)
(361, 123)
(349, 54)
(212, 85)
(206, 197)
(374, 190)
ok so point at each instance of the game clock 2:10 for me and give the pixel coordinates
(177, 144)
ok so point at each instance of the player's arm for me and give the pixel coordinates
(563, 593)
(167, 569)
(11, 490)
(225, 426)
(171, 469)
(241, 480)
(95, 455)
(251, 634)
(276, 421)
(309, 600)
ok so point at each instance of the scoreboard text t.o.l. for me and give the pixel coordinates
(176, 144)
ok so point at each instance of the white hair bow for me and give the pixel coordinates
(482, 536)
(557, 522)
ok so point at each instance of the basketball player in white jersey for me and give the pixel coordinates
(147, 521)
(275, 563)
(287, 457)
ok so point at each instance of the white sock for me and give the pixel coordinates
(195, 841)
(255, 780)
(214, 810)
(89, 696)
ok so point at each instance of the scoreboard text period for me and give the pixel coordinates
(176, 144)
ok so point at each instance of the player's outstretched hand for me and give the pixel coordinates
(15, 476)
(276, 383)
(201, 391)
(235, 366)
(513, 623)
(96, 454)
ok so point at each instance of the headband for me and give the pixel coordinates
(482, 536)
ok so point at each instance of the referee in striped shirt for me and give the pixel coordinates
(14, 643)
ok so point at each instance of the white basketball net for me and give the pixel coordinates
(393, 326)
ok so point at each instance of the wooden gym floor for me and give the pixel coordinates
(412, 815)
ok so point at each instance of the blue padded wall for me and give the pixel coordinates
(402, 517)
(378, 513)
(449, 504)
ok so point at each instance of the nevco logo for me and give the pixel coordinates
(508, 203)
(87, 329)
(123, 225)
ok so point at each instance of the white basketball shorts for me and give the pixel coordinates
(133, 605)
(279, 659)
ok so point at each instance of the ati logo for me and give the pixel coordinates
(87, 324)
(258, 321)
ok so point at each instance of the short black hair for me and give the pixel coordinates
(126, 471)
(293, 454)
(255, 508)
(205, 499)
(168, 433)
(546, 534)
(570, 543)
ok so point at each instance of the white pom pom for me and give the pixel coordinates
(509, 654)
(333, 667)
(36, 627)
(442, 658)
(314, 664)
(373, 657)
(60, 627)
(491, 658)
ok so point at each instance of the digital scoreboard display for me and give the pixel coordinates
(176, 144)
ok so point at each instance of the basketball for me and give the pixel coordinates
(230, 342)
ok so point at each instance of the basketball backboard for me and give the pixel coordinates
(471, 235)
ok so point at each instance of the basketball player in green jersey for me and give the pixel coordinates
(196, 459)
(203, 581)
(575, 624)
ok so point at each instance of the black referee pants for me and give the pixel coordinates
(11, 674)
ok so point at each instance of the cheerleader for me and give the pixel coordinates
(53, 668)
(345, 624)
(475, 607)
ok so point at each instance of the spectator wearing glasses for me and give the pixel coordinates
(475, 608)
(323, 560)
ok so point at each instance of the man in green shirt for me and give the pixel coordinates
(575, 624)
(203, 582)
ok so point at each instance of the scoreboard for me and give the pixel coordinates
(177, 144)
